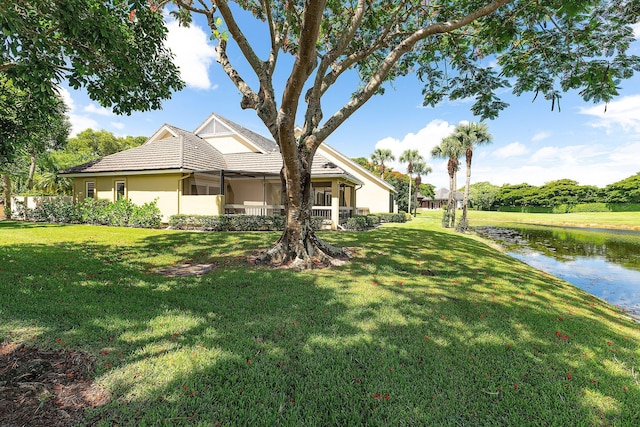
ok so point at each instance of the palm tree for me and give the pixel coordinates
(380, 156)
(450, 148)
(420, 168)
(410, 157)
(470, 135)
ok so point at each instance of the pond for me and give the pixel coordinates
(605, 263)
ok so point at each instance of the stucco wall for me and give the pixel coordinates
(372, 194)
(146, 188)
(228, 144)
(140, 189)
(202, 205)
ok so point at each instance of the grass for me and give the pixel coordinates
(422, 327)
(613, 220)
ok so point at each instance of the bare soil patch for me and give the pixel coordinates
(46, 387)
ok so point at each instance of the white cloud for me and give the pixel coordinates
(78, 122)
(624, 112)
(96, 109)
(540, 136)
(193, 53)
(636, 30)
(572, 154)
(117, 125)
(66, 97)
(423, 141)
(512, 150)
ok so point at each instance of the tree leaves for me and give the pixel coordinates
(113, 50)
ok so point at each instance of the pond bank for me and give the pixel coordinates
(605, 263)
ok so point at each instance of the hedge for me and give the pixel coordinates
(122, 213)
(270, 223)
(233, 222)
(582, 207)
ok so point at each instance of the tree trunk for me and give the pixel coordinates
(463, 225)
(32, 171)
(6, 184)
(298, 247)
(409, 198)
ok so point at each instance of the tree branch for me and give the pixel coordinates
(392, 58)
(239, 37)
(314, 112)
(303, 66)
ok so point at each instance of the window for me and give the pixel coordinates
(90, 189)
(120, 190)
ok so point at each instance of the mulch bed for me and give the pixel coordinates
(46, 387)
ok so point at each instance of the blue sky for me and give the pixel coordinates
(531, 143)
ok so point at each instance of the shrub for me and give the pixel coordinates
(54, 211)
(393, 217)
(146, 216)
(234, 222)
(98, 212)
(357, 223)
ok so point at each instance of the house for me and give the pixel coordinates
(224, 168)
(439, 200)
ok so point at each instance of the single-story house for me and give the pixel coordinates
(439, 200)
(224, 168)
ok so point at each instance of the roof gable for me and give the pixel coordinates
(352, 167)
(215, 126)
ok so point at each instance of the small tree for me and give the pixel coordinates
(420, 168)
(410, 157)
(450, 148)
(380, 156)
(470, 135)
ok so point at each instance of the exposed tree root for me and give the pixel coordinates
(310, 253)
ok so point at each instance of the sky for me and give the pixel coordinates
(531, 143)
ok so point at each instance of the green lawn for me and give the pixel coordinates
(616, 220)
(422, 327)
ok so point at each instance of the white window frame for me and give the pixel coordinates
(93, 190)
(124, 190)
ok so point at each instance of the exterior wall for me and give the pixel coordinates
(139, 189)
(228, 144)
(146, 188)
(372, 195)
(202, 205)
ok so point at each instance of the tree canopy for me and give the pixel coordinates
(114, 49)
(543, 46)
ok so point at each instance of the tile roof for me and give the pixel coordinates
(186, 151)
(270, 164)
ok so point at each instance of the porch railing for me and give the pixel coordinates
(263, 210)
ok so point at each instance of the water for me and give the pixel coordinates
(605, 263)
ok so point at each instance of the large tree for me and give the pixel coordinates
(113, 48)
(470, 135)
(543, 46)
(27, 131)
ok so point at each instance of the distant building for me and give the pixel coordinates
(439, 200)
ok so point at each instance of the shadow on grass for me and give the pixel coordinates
(419, 328)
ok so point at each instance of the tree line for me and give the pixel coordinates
(486, 196)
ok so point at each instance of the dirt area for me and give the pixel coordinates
(46, 388)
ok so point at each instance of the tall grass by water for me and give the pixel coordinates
(422, 327)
